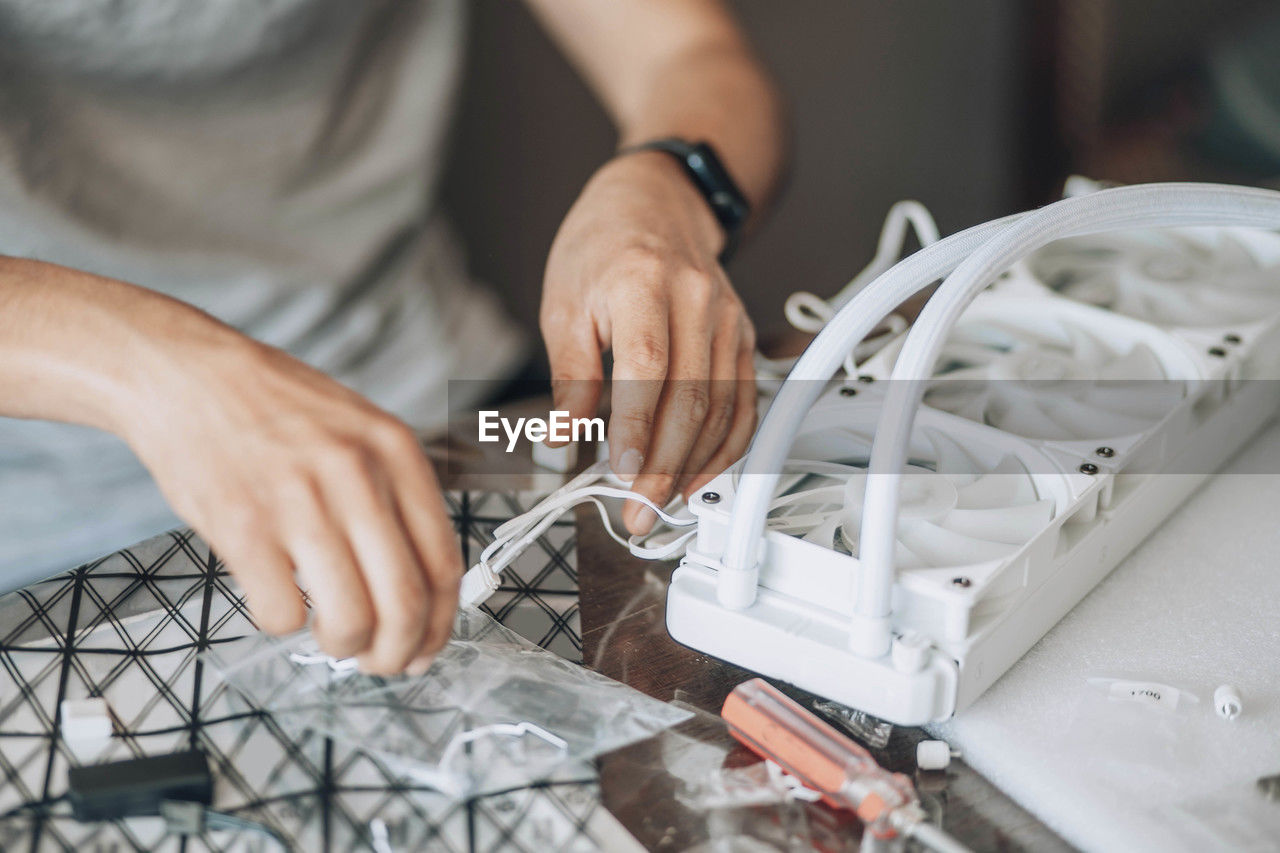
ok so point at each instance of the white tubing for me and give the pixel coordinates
(736, 585)
(1144, 206)
(870, 626)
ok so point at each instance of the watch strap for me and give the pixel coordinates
(712, 180)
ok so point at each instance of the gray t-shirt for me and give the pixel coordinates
(270, 161)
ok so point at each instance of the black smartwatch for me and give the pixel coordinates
(709, 176)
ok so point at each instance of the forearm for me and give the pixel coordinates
(677, 69)
(83, 349)
(718, 95)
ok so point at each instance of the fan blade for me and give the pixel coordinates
(1147, 399)
(1157, 302)
(1085, 421)
(1261, 281)
(1086, 349)
(1098, 289)
(969, 400)
(903, 558)
(951, 458)
(968, 353)
(938, 547)
(1138, 363)
(1013, 525)
(1223, 305)
(1232, 256)
(1006, 485)
(1021, 415)
(824, 534)
(977, 373)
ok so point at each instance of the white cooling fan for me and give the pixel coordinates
(1058, 402)
(958, 509)
(1056, 380)
(1170, 277)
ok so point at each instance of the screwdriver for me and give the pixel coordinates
(777, 728)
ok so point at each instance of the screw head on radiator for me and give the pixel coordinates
(865, 378)
(1088, 468)
(1217, 352)
(962, 582)
(1231, 338)
(711, 497)
(1105, 452)
(846, 391)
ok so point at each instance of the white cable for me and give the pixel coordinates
(809, 313)
(893, 236)
(514, 536)
(1143, 206)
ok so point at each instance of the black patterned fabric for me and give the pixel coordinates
(130, 627)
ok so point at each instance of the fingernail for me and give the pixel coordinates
(629, 463)
(420, 666)
(644, 520)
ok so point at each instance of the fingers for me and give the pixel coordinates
(723, 390)
(267, 579)
(344, 616)
(683, 405)
(389, 562)
(641, 342)
(425, 518)
(577, 372)
(743, 422)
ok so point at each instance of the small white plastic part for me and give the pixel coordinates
(86, 720)
(736, 590)
(478, 584)
(870, 636)
(910, 652)
(1226, 701)
(933, 755)
(559, 459)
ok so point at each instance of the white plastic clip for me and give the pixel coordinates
(1226, 701)
(86, 719)
(933, 755)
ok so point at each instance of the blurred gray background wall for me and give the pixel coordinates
(888, 100)
(967, 106)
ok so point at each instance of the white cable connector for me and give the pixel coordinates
(85, 720)
(1226, 701)
(511, 538)
(933, 755)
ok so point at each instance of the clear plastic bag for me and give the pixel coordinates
(872, 731)
(494, 711)
(761, 784)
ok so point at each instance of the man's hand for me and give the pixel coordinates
(633, 269)
(291, 477)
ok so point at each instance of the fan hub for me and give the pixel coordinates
(927, 495)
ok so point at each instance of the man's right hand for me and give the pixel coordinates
(291, 477)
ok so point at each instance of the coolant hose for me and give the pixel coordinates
(1154, 205)
(1144, 206)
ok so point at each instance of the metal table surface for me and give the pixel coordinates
(150, 610)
